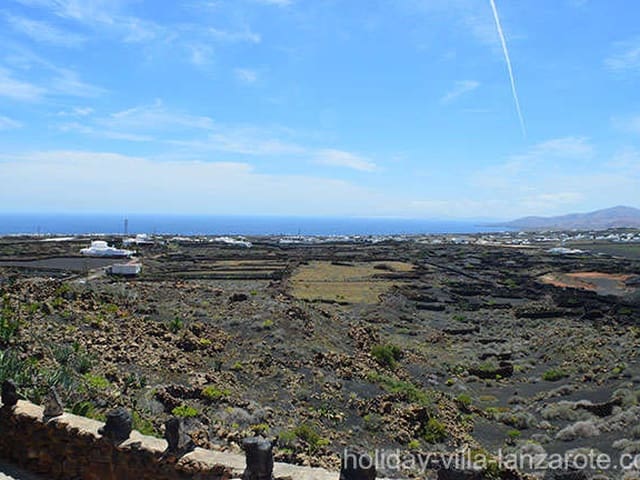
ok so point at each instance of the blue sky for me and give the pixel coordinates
(319, 107)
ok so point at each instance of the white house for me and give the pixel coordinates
(129, 269)
(100, 248)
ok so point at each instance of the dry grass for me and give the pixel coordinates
(344, 283)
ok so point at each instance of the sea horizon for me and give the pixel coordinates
(252, 225)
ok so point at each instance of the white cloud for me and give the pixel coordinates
(81, 10)
(52, 80)
(246, 75)
(278, 3)
(76, 112)
(626, 161)
(558, 176)
(626, 57)
(44, 32)
(104, 14)
(94, 131)
(145, 123)
(93, 181)
(155, 117)
(460, 88)
(67, 82)
(470, 16)
(546, 201)
(565, 147)
(241, 141)
(234, 36)
(7, 123)
(200, 135)
(629, 124)
(200, 54)
(17, 89)
(546, 157)
(340, 158)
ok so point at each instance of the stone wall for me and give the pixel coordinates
(70, 447)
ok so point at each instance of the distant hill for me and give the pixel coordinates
(615, 217)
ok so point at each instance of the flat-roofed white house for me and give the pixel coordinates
(100, 248)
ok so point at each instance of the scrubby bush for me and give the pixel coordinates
(387, 355)
(514, 434)
(554, 374)
(304, 432)
(184, 411)
(434, 431)
(143, 425)
(287, 438)
(87, 409)
(373, 422)
(518, 419)
(565, 411)
(410, 391)
(464, 399)
(413, 444)
(583, 429)
(176, 325)
(211, 392)
(13, 367)
(96, 382)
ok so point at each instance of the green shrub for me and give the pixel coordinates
(176, 325)
(554, 375)
(143, 425)
(514, 434)
(237, 367)
(9, 327)
(111, 308)
(33, 308)
(286, 438)
(434, 431)
(211, 392)
(373, 422)
(308, 433)
(96, 382)
(267, 324)
(184, 411)
(413, 444)
(13, 367)
(87, 409)
(410, 391)
(386, 355)
(464, 399)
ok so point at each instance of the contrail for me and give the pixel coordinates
(508, 60)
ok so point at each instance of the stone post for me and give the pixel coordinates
(52, 405)
(259, 454)
(9, 394)
(178, 440)
(118, 426)
(357, 465)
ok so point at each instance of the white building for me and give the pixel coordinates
(100, 248)
(129, 269)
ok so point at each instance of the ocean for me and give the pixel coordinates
(74, 224)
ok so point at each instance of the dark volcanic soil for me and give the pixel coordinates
(388, 345)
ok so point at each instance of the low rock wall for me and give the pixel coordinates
(70, 447)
